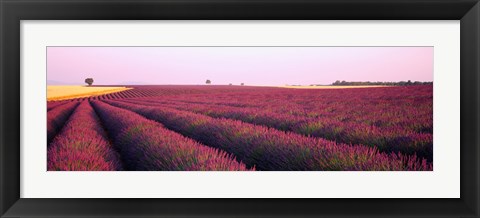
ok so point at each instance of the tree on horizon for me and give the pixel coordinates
(208, 82)
(89, 81)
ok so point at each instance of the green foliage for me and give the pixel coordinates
(368, 83)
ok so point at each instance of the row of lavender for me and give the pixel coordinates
(270, 149)
(82, 144)
(147, 145)
(382, 107)
(408, 135)
(77, 140)
(138, 143)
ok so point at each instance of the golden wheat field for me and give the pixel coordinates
(69, 92)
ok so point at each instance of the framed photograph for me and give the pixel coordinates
(239, 108)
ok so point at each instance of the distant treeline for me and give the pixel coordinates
(368, 83)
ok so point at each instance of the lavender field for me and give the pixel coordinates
(243, 128)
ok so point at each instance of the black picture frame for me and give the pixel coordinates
(12, 11)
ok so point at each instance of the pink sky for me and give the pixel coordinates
(249, 65)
